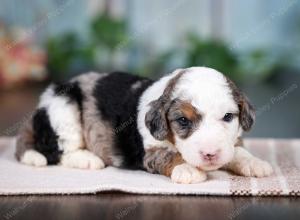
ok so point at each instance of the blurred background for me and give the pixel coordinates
(256, 43)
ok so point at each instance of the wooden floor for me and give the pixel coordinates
(123, 206)
(17, 106)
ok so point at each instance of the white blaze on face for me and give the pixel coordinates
(208, 92)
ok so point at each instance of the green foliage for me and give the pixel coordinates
(68, 53)
(252, 66)
(210, 53)
(107, 36)
(158, 65)
(259, 65)
(108, 32)
(65, 53)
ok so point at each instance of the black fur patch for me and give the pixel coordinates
(45, 139)
(71, 90)
(117, 102)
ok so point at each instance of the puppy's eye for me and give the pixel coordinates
(184, 122)
(228, 117)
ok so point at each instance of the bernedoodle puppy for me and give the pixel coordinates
(180, 126)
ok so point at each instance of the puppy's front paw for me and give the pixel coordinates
(253, 167)
(187, 174)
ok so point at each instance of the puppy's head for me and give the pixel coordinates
(202, 113)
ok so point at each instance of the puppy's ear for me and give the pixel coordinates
(246, 110)
(247, 113)
(156, 120)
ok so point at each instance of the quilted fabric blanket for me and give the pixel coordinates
(284, 155)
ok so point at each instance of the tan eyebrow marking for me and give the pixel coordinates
(189, 111)
(180, 108)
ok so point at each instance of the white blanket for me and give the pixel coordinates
(16, 179)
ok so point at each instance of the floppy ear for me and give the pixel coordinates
(247, 113)
(156, 117)
(156, 120)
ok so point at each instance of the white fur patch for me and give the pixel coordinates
(187, 174)
(64, 118)
(33, 158)
(82, 159)
(136, 85)
(245, 164)
(254, 167)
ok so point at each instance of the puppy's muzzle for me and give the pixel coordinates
(210, 156)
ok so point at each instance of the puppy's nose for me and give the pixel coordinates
(209, 155)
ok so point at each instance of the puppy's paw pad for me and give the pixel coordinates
(187, 174)
(82, 159)
(254, 167)
(33, 158)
